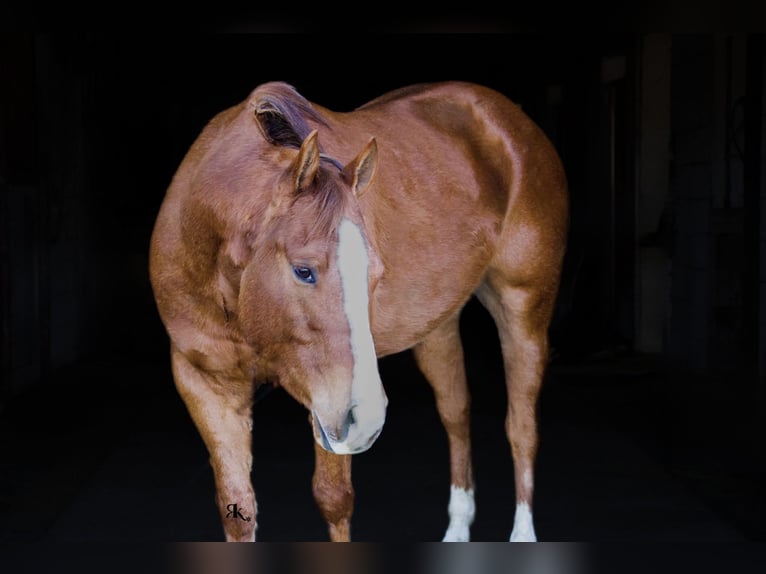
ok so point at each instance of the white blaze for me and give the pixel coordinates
(366, 390)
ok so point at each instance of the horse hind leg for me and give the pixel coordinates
(440, 358)
(522, 315)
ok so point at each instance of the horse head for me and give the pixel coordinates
(305, 295)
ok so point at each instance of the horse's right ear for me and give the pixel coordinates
(363, 168)
(305, 166)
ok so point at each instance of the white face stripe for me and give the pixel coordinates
(461, 512)
(523, 527)
(353, 263)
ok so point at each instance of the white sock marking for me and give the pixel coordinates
(461, 512)
(523, 527)
(367, 390)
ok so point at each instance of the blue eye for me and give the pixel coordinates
(305, 274)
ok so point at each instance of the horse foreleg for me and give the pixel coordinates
(333, 492)
(522, 317)
(222, 414)
(440, 358)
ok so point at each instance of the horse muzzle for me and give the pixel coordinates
(354, 433)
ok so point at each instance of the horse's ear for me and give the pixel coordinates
(306, 164)
(364, 167)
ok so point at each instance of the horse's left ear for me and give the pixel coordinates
(363, 168)
(305, 166)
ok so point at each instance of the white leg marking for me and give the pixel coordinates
(367, 392)
(523, 527)
(461, 512)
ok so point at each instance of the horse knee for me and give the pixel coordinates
(335, 501)
(456, 420)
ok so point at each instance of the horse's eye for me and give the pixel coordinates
(305, 274)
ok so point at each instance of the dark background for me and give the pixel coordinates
(651, 416)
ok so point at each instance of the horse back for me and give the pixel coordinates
(467, 184)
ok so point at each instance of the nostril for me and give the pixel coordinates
(335, 433)
(345, 426)
(339, 433)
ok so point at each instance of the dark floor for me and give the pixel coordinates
(106, 452)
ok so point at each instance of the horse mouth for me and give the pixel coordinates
(320, 435)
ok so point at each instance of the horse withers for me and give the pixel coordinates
(296, 245)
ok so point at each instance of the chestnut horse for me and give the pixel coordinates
(296, 245)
